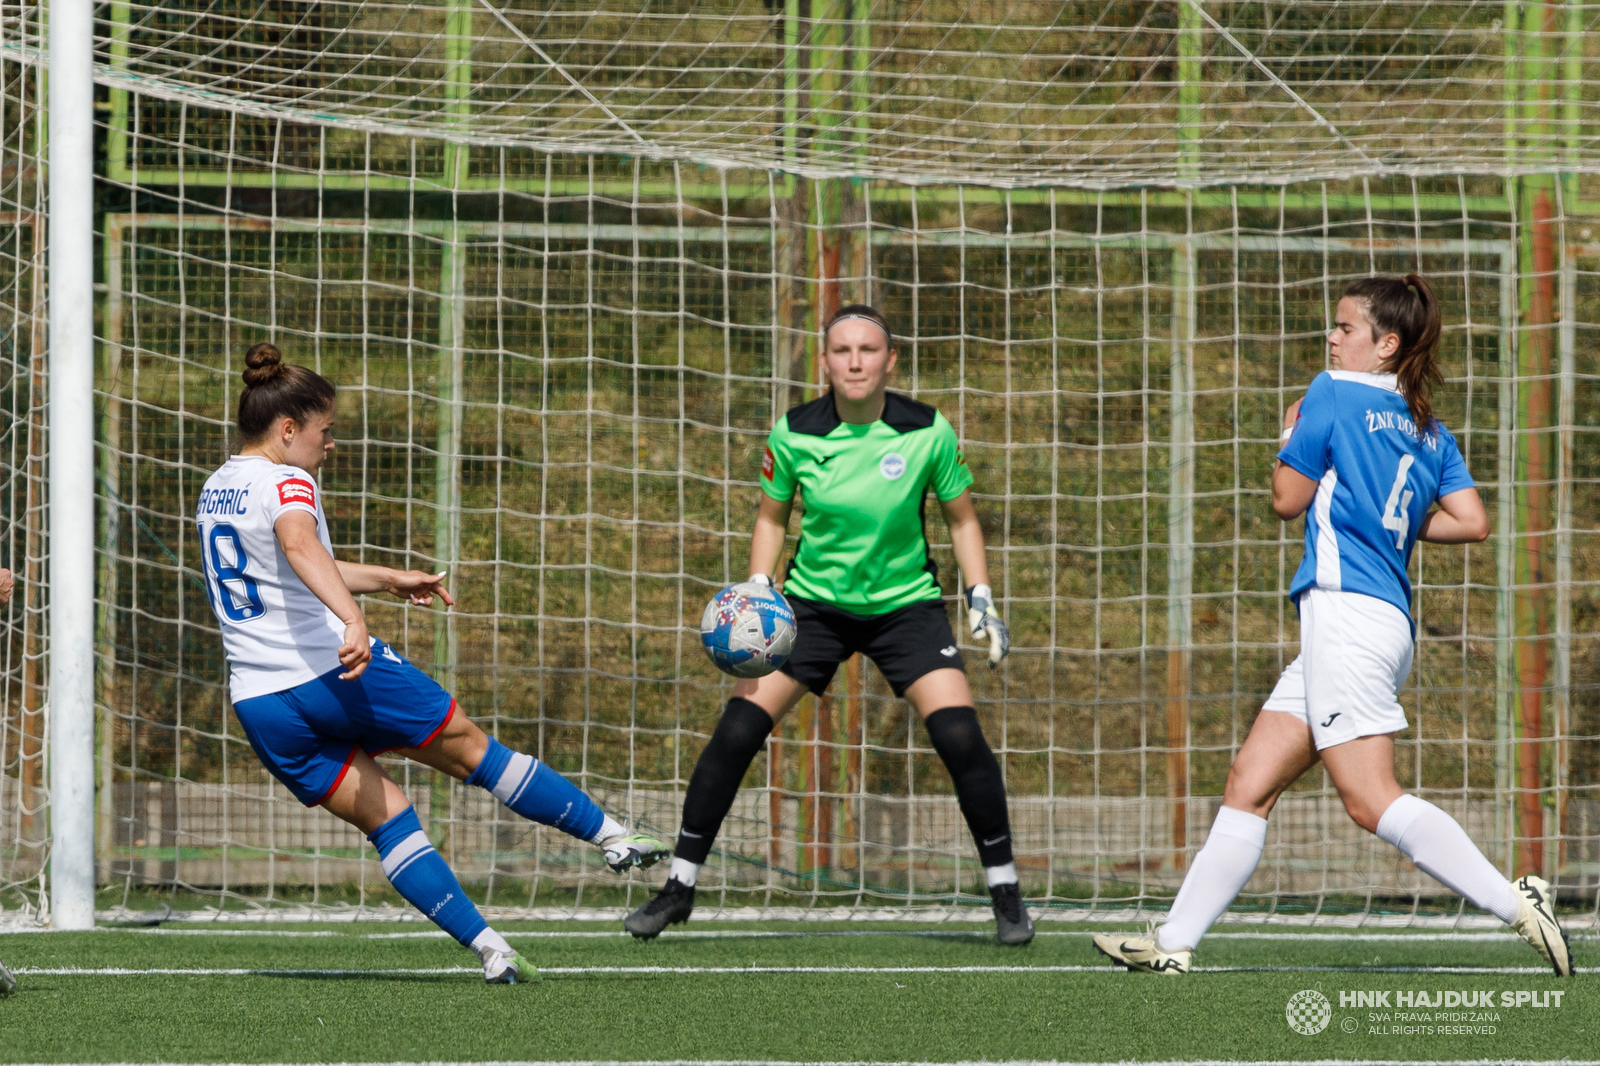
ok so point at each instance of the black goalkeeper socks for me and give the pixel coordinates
(980, 790)
(739, 735)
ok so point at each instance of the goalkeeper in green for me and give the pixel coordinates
(862, 580)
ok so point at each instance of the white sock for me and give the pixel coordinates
(1220, 871)
(609, 828)
(1001, 875)
(1442, 850)
(684, 871)
(489, 940)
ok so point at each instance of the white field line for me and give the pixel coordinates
(1355, 936)
(890, 915)
(162, 971)
(964, 1062)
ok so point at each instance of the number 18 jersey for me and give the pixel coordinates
(276, 632)
(1376, 481)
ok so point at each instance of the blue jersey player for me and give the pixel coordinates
(1365, 460)
(318, 697)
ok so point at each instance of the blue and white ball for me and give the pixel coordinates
(748, 629)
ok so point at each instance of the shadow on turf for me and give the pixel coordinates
(387, 978)
(732, 937)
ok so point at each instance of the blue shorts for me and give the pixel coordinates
(308, 735)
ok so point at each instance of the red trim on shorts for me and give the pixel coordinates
(348, 759)
(448, 714)
(451, 713)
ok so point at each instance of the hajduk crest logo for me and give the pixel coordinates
(892, 466)
(297, 490)
(1308, 1012)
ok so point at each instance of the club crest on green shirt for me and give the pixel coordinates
(865, 486)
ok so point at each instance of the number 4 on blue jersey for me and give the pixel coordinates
(1376, 479)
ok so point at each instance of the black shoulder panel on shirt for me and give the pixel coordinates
(815, 419)
(903, 414)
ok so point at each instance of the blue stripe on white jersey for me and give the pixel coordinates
(1375, 479)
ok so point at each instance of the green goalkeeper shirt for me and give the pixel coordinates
(862, 543)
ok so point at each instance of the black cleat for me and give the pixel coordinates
(1012, 924)
(672, 905)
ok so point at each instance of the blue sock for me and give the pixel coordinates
(536, 792)
(421, 875)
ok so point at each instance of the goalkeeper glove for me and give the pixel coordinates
(983, 619)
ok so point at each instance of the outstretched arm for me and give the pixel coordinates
(766, 543)
(297, 535)
(1460, 519)
(418, 586)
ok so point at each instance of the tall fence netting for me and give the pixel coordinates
(558, 357)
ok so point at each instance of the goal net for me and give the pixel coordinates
(567, 263)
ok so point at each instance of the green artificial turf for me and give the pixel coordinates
(356, 1014)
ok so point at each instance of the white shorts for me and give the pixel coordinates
(1355, 655)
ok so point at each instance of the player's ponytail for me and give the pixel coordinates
(273, 389)
(1407, 308)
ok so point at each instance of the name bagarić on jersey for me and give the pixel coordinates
(275, 630)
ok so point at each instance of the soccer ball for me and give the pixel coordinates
(748, 630)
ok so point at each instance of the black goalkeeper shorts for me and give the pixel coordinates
(905, 643)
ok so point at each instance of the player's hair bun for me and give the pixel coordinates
(273, 389)
(263, 363)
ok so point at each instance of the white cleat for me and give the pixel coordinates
(502, 969)
(1141, 953)
(8, 984)
(627, 851)
(1536, 923)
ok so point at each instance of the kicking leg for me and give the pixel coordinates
(944, 700)
(369, 799)
(533, 790)
(746, 723)
(1363, 771)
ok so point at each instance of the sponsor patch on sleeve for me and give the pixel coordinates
(768, 463)
(297, 490)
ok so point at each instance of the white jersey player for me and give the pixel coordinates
(1364, 459)
(318, 697)
(277, 633)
